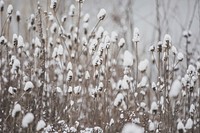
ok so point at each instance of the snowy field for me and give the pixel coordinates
(100, 66)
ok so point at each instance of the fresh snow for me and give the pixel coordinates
(101, 15)
(132, 128)
(128, 59)
(175, 89)
(40, 125)
(27, 119)
(28, 86)
(143, 65)
(16, 109)
(189, 124)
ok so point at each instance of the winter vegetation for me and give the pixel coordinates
(62, 71)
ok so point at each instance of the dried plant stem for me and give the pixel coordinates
(137, 61)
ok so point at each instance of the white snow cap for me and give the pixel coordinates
(53, 4)
(12, 90)
(189, 124)
(86, 17)
(87, 75)
(28, 86)
(143, 65)
(121, 42)
(102, 14)
(128, 59)
(154, 106)
(151, 126)
(20, 41)
(180, 56)
(174, 50)
(175, 89)
(72, 10)
(180, 125)
(114, 36)
(9, 9)
(40, 125)
(27, 119)
(1, 4)
(132, 128)
(17, 108)
(167, 38)
(136, 36)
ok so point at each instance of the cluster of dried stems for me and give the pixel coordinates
(75, 69)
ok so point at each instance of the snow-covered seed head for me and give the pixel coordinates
(121, 42)
(159, 46)
(53, 4)
(69, 75)
(180, 56)
(40, 125)
(80, 1)
(102, 14)
(64, 18)
(136, 35)
(15, 39)
(114, 36)
(20, 42)
(72, 10)
(152, 48)
(143, 65)
(1, 5)
(9, 10)
(87, 75)
(28, 86)
(18, 16)
(174, 50)
(86, 18)
(12, 90)
(27, 119)
(16, 110)
(32, 19)
(127, 59)
(154, 107)
(167, 41)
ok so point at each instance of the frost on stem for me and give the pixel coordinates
(132, 128)
(27, 119)
(102, 14)
(17, 109)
